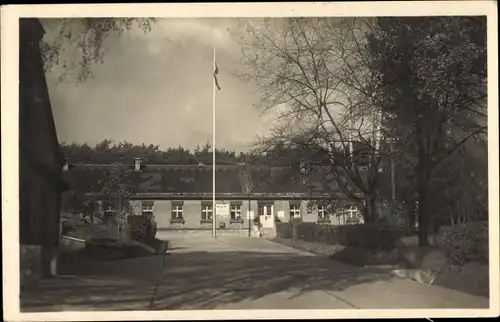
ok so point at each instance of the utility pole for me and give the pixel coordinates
(118, 213)
(393, 174)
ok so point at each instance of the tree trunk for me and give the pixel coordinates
(422, 196)
(422, 223)
(411, 214)
(369, 211)
(422, 211)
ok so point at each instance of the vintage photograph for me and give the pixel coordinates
(274, 163)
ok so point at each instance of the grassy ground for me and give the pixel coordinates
(319, 249)
(472, 278)
(350, 255)
(100, 243)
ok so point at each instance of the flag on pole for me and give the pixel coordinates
(216, 84)
(216, 71)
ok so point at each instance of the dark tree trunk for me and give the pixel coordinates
(41, 181)
(412, 214)
(369, 211)
(423, 235)
(423, 209)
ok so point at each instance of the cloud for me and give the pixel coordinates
(157, 88)
(206, 31)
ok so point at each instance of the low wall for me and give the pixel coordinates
(37, 262)
(30, 264)
(71, 244)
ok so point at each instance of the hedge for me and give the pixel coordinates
(466, 243)
(284, 230)
(370, 236)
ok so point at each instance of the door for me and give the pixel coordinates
(266, 215)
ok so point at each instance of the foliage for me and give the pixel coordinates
(117, 189)
(74, 201)
(106, 152)
(83, 39)
(431, 85)
(318, 233)
(466, 242)
(459, 188)
(284, 230)
(370, 236)
(334, 206)
(141, 228)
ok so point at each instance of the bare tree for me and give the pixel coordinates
(117, 189)
(313, 72)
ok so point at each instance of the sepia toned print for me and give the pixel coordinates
(278, 163)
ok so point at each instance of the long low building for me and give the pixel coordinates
(180, 196)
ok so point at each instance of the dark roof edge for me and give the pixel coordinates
(179, 166)
(227, 196)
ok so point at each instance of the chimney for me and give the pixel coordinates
(137, 164)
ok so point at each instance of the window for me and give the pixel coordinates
(206, 212)
(109, 211)
(177, 210)
(322, 212)
(108, 207)
(261, 210)
(235, 211)
(352, 212)
(265, 208)
(295, 211)
(147, 206)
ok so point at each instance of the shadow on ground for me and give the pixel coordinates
(204, 280)
(125, 284)
(192, 280)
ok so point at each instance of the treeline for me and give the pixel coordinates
(107, 152)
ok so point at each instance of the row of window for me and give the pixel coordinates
(235, 210)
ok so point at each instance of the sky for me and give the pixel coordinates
(156, 88)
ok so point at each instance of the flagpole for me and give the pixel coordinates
(213, 154)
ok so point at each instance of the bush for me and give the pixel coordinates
(284, 230)
(321, 233)
(314, 232)
(296, 229)
(296, 223)
(141, 228)
(370, 236)
(466, 243)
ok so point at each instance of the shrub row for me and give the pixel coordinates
(466, 243)
(371, 236)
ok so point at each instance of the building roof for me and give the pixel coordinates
(166, 181)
